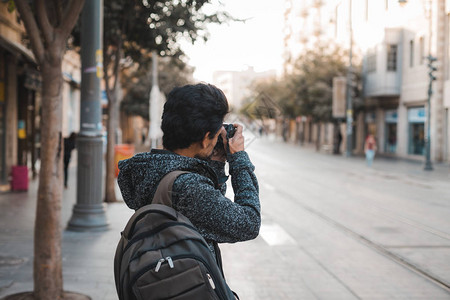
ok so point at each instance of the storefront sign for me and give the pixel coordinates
(416, 115)
(391, 116)
(22, 134)
(339, 87)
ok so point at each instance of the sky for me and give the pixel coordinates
(236, 46)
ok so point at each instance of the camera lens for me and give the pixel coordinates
(229, 128)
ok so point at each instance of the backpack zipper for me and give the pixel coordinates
(168, 259)
(211, 281)
(158, 265)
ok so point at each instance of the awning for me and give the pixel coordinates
(17, 48)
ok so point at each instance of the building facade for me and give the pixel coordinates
(391, 39)
(396, 78)
(20, 98)
(236, 84)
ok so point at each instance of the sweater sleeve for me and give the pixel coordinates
(215, 216)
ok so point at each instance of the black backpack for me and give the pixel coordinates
(161, 255)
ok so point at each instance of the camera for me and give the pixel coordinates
(231, 130)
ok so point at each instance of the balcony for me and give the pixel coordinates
(383, 66)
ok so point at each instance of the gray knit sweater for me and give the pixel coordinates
(198, 195)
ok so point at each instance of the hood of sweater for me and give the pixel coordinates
(140, 175)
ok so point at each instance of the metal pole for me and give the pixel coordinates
(349, 110)
(89, 211)
(428, 165)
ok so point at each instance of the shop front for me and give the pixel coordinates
(371, 125)
(416, 130)
(390, 145)
(17, 109)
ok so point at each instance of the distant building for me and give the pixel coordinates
(236, 84)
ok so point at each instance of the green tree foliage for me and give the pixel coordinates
(312, 81)
(307, 90)
(264, 101)
(135, 28)
(137, 82)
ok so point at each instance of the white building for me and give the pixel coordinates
(396, 78)
(392, 37)
(236, 84)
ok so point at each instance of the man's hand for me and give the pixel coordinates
(236, 143)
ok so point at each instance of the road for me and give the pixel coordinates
(336, 229)
(331, 229)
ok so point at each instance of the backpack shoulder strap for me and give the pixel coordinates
(163, 197)
(163, 194)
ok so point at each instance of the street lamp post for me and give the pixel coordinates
(431, 69)
(89, 212)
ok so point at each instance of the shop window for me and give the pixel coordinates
(411, 53)
(416, 124)
(371, 61)
(417, 139)
(392, 58)
(391, 131)
(421, 50)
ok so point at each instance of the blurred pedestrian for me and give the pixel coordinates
(337, 145)
(69, 145)
(370, 147)
(285, 130)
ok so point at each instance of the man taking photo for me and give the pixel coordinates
(192, 123)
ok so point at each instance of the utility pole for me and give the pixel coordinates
(349, 110)
(431, 69)
(89, 211)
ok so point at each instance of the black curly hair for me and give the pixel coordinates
(190, 112)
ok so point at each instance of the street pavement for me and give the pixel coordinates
(332, 228)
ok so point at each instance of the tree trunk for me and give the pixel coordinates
(110, 193)
(112, 124)
(318, 137)
(48, 283)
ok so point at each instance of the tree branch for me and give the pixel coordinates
(71, 15)
(33, 32)
(118, 57)
(42, 18)
(59, 11)
(117, 66)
